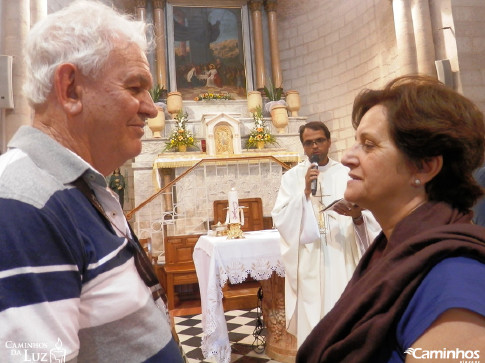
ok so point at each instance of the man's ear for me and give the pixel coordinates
(429, 168)
(68, 90)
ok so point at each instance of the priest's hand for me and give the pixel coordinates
(311, 174)
(346, 208)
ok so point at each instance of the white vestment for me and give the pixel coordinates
(320, 250)
(211, 75)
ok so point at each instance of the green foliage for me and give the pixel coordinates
(273, 93)
(156, 93)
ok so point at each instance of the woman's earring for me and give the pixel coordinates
(417, 182)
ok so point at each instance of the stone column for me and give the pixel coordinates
(141, 9)
(270, 7)
(406, 45)
(16, 25)
(280, 345)
(38, 11)
(255, 7)
(423, 35)
(159, 20)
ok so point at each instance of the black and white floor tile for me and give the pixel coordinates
(240, 325)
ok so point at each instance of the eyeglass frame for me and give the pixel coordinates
(318, 142)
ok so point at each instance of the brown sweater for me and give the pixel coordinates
(361, 327)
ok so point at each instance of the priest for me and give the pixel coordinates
(322, 235)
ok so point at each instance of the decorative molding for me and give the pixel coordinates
(140, 3)
(280, 344)
(223, 134)
(270, 5)
(255, 5)
(159, 4)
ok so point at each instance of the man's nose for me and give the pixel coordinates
(150, 109)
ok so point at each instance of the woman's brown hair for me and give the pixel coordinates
(426, 119)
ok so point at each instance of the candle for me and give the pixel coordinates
(233, 206)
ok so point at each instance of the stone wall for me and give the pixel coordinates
(469, 31)
(332, 49)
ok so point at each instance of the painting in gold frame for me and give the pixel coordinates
(208, 49)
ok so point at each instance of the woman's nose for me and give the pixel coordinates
(349, 158)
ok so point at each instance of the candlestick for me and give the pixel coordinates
(233, 219)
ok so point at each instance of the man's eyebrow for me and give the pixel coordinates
(140, 78)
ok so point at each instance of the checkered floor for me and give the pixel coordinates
(240, 325)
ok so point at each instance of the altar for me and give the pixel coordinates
(219, 260)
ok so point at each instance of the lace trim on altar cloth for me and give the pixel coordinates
(210, 346)
(237, 271)
(210, 319)
(222, 354)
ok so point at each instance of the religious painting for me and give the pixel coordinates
(223, 139)
(208, 51)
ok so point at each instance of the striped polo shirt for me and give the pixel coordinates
(68, 283)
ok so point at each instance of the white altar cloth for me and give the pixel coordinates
(217, 260)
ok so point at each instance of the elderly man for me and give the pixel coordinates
(74, 282)
(321, 242)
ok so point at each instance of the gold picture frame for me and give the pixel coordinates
(209, 48)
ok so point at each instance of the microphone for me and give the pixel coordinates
(314, 160)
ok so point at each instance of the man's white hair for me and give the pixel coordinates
(83, 33)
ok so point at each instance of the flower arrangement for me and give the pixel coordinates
(213, 96)
(180, 135)
(259, 133)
